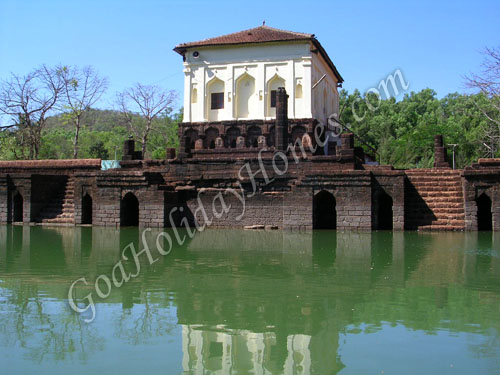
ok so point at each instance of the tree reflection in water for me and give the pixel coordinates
(240, 302)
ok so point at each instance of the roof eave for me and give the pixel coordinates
(332, 66)
(181, 50)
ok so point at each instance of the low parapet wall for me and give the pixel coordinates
(360, 196)
(65, 164)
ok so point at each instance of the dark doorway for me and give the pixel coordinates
(324, 211)
(87, 209)
(383, 211)
(18, 208)
(484, 217)
(129, 211)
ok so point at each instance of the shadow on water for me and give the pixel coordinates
(286, 302)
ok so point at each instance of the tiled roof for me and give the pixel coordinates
(259, 34)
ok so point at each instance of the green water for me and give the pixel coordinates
(252, 302)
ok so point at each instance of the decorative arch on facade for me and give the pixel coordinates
(246, 100)
(253, 134)
(194, 95)
(211, 135)
(272, 87)
(215, 99)
(232, 135)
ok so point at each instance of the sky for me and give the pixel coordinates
(433, 43)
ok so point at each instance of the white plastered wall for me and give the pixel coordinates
(248, 73)
(325, 96)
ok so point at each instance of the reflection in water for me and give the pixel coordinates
(240, 302)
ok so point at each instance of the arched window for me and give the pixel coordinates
(272, 87)
(324, 211)
(253, 134)
(215, 97)
(231, 135)
(246, 100)
(129, 212)
(211, 135)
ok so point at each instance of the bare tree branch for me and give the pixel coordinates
(488, 84)
(140, 106)
(28, 101)
(82, 89)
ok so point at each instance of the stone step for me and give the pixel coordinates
(58, 220)
(426, 178)
(432, 171)
(442, 194)
(441, 228)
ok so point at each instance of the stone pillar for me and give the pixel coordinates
(129, 152)
(440, 154)
(182, 143)
(28, 211)
(4, 199)
(281, 139)
(347, 146)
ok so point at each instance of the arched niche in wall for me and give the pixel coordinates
(272, 87)
(194, 95)
(246, 100)
(253, 133)
(297, 132)
(190, 137)
(215, 99)
(299, 102)
(211, 135)
(231, 135)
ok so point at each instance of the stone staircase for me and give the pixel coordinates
(60, 209)
(434, 200)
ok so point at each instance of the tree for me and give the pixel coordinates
(28, 101)
(82, 89)
(488, 84)
(141, 106)
(98, 150)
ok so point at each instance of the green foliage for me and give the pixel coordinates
(101, 136)
(98, 151)
(403, 132)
